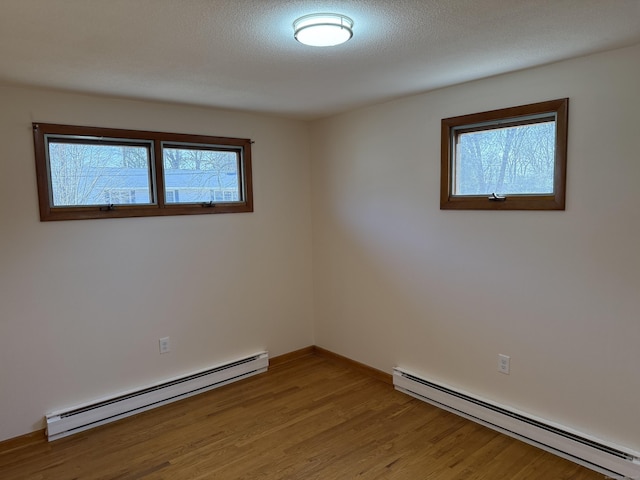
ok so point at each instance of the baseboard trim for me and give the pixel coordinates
(291, 356)
(16, 443)
(366, 369)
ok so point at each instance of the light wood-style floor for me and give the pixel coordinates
(310, 418)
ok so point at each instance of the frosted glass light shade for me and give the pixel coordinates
(323, 29)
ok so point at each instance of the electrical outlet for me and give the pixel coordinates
(504, 364)
(164, 345)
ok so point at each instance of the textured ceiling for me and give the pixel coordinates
(241, 54)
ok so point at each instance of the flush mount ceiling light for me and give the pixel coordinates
(323, 29)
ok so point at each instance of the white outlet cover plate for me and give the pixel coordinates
(164, 345)
(504, 364)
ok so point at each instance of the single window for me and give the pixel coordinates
(88, 172)
(83, 172)
(509, 159)
(193, 172)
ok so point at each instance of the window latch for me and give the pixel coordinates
(107, 208)
(497, 198)
(208, 204)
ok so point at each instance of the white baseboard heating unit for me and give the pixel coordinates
(83, 417)
(611, 460)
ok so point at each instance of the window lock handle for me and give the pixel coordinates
(497, 198)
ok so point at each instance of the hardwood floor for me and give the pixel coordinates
(310, 418)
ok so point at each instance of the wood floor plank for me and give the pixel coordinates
(307, 418)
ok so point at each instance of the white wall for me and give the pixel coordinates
(83, 303)
(399, 282)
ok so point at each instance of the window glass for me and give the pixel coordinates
(511, 160)
(91, 174)
(200, 175)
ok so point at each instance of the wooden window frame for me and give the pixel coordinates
(158, 207)
(505, 117)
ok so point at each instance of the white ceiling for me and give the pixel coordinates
(241, 54)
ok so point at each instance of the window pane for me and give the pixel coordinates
(512, 160)
(94, 174)
(201, 175)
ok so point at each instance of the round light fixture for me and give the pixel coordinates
(323, 29)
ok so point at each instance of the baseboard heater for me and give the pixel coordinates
(83, 417)
(610, 460)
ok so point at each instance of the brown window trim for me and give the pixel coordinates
(159, 208)
(556, 201)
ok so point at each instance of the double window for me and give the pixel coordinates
(509, 159)
(88, 172)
